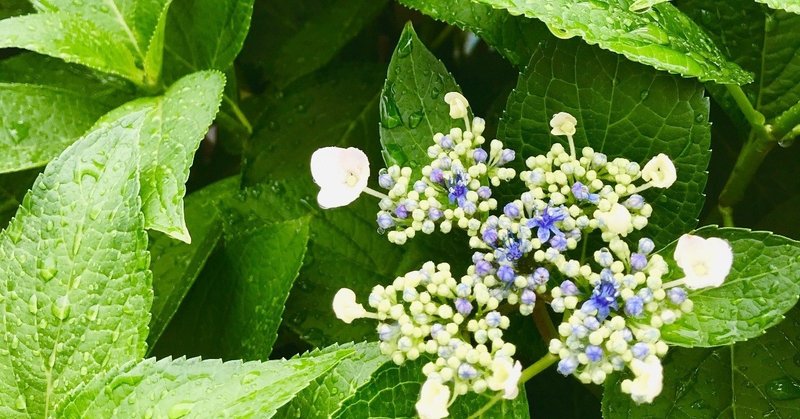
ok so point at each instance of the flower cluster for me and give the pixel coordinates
(573, 239)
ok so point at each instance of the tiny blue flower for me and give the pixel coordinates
(506, 274)
(401, 212)
(603, 299)
(420, 186)
(445, 352)
(511, 210)
(640, 350)
(446, 142)
(540, 276)
(638, 261)
(386, 332)
(594, 353)
(463, 306)
(567, 366)
(469, 207)
(627, 335)
(581, 193)
(634, 306)
(506, 156)
(480, 155)
(437, 176)
(599, 160)
(513, 250)
(605, 258)
(634, 201)
(646, 245)
(435, 214)
(591, 323)
(483, 268)
(385, 221)
(436, 328)
(457, 189)
(463, 290)
(559, 243)
(493, 319)
(545, 221)
(445, 162)
(528, 297)
(467, 371)
(646, 294)
(385, 181)
(484, 192)
(490, 236)
(568, 288)
(676, 295)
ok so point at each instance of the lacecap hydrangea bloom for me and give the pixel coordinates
(566, 241)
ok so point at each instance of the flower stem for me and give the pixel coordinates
(754, 117)
(542, 364)
(375, 193)
(238, 114)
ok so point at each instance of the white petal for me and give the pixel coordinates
(433, 400)
(346, 307)
(333, 197)
(563, 124)
(660, 171)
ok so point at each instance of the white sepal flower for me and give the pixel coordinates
(706, 262)
(346, 307)
(563, 124)
(341, 174)
(659, 171)
(458, 104)
(505, 377)
(648, 381)
(433, 400)
(617, 220)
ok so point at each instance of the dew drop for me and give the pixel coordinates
(20, 404)
(415, 118)
(61, 307)
(405, 44)
(179, 410)
(250, 377)
(644, 94)
(784, 388)
(786, 142)
(33, 304)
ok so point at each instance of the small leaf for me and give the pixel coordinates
(170, 136)
(154, 57)
(73, 279)
(661, 37)
(38, 122)
(788, 5)
(72, 39)
(234, 309)
(623, 110)
(515, 37)
(324, 396)
(758, 378)
(204, 35)
(412, 105)
(198, 388)
(176, 265)
(764, 283)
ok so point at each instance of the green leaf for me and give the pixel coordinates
(39, 122)
(74, 280)
(624, 110)
(302, 37)
(154, 57)
(324, 396)
(762, 41)
(176, 265)
(751, 379)
(176, 388)
(170, 137)
(393, 391)
(72, 39)
(204, 34)
(764, 283)
(661, 37)
(412, 106)
(788, 5)
(515, 37)
(234, 309)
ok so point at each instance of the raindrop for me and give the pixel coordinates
(18, 131)
(784, 388)
(786, 142)
(179, 410)
(415, 118)
(699, 117)
(390, 114)
(32, 304)
(20, 403)
(651, 33)
(61, 307)
(644, 94)
(405, 44)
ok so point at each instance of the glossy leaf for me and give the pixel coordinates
(623, 110)
(194, 387)
(170, 136)
(412, 105)
(788, 5)
(661, 36)
(74, 278)
(764, 283)
(758, 378)
(176, 265)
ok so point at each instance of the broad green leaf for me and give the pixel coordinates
(198, 388)
(204, 35)
(753, 379)
(154, 57)
(74, 278)
(39, 122)
(170, 136)
(324, 396)
(176, 265)
(106, 90)
(393, 391)
(13, 187)
(234, 309)
(788, 5)
(764, 283)
(515, 37)
(661, 37)
(72, 39)
(765, 42)
(624, 110)
(412, 106)
(301, 37)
